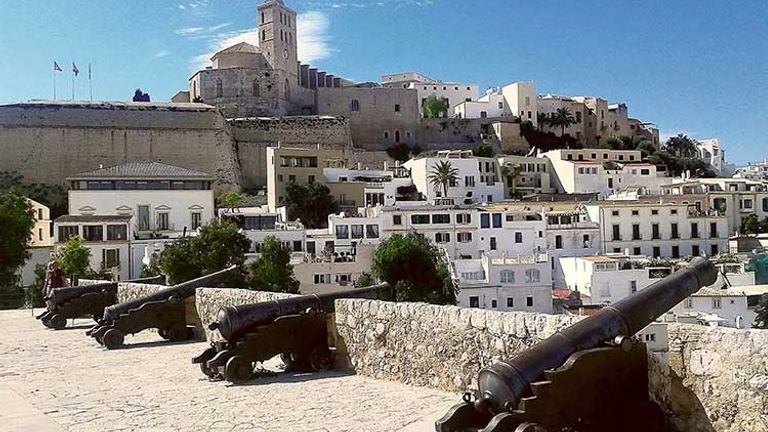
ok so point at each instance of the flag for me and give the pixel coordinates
(56, 67)
(75, 70)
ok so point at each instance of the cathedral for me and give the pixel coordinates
(266, 80)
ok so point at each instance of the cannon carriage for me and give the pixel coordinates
(164, 310)
(592, 376)
(295, 328)
(85, 301)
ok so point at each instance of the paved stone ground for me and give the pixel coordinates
(53, 381)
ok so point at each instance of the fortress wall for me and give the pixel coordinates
(254, 135)
(47, 143)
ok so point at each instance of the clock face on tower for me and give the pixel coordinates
(285, 54)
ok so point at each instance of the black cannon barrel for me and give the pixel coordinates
(182, 290)
(233, 321)
(65, 294)
(502, 385)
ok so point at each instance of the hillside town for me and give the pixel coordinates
(520, 200)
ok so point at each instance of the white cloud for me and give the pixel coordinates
(161, 54)
(312, 36)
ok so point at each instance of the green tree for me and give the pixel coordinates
(152, 269)
(761, 313)
(416, 268)
(681, 146)
(73, 258)
(613, 143)
(435, 107)
(273, 271)
(562, 118)
(231, 200)
(634, 142)
(311, 203)
(364, 280)
(52, 195)
(16, 223)
(483, 150)
(219, 245)
(750, 224)
(512, 174)
(443, 174)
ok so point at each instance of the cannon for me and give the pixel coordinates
(82, 301)
(163, 310)
(592, 376)
(295, 328)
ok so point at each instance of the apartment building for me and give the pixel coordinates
(524, 175)
(604, 171)
(712, 306)
(711, 153)
(570, 232)
(163, 200)
(511, 230)
(108, 237)
(41, 231)
(758, 171)
(518, 100)
(301, 166)
(659, 229)
(497, 281)
(379, 187)
(478, 179)
(450, 92)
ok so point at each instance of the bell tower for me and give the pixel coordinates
(277, 40)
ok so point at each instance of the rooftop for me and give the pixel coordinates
(142, 170)
(113, 105)
(241, 48)
(92, 218)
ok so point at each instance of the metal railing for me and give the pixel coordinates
(20, 298)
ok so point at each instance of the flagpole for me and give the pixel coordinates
(90, 82)
(54, 83)
(73, 85)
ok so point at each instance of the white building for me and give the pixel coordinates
(497, 281)
(604, 171)
(478, 178)
(533, 175)
(518, 99)
(758, 171)
(659, 229)
(108, 237)
(732, 307)
(41, 231)
(379, 186)
(452, 93)
(712, 154)
(570, 232)
(163, 200)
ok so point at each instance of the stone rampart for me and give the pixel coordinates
(208, 301)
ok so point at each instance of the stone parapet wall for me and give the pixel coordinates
(208, 301)
(127, 291)
(437, 346)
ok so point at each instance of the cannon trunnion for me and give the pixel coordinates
(589, 377)
(163, 310)
(295, 328)
(86, 301)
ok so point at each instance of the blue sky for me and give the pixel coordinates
(696, 67)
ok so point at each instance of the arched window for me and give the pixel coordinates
(287, 89)
(219, 88)
(263, 35)
(397, 136)
(256, 90)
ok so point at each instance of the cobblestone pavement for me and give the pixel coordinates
(151, 386)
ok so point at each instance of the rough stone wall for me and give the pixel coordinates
(437, 346)
(453, 133)
(134, 291)
(254, 135)
(208, 301)
(46, 142)
(716, 380)
(239, 98)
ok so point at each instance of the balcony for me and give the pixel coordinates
(519, 260)
(705, 214)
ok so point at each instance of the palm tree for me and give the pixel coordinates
(511, 173)
(443, 175)
(682, 146)
(562, 118)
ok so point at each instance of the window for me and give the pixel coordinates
(716, 303)
(497, 220)
(656, 251)
(397, 107)
(463, 218)
(357, 231)
(633, 286)
(616, 232)
(474, 301)
(688, 303)
(256, 90)
(713, 230)
(747, 203)
(485, 220)
(654, 212)
(507, 276)
(501, 105)
(464, 237)
(371, 231)
(342, 231)
(397, 219)
(675, 251)
(694, 230)
(529, 301)
(650, 337)
(311, 179)
(714, 250)
(39, 234)
(291, 178)
(442, 237)
(585, 238)
(143, 219)
(494, 304)
(469, 181)
(441, 219)
(110, 258)
(219, 88)
(532, 276)
(483, 114)
(354, 105)
(518, 237)
(655, 232)
(419, 219)
(635, 212)
(636, 250)
(673, 211)
(117, 232)
(636, 232)
(397, 136)
(162, 221)
(510, 302)
(197, 218)
(614, 213)
(675, 233)
(558, 242)
(297, 246)
(493, 243)
(695, 250)
(65, 232)
(93, 233)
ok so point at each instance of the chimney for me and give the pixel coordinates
(359, 165)
(386, 165)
